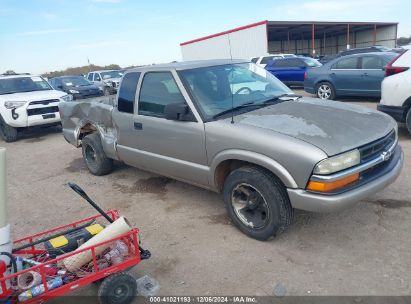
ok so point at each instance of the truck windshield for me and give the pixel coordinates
(23, 84)
(111, 74)
(75, 81)
(216, 89)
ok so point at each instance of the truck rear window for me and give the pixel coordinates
(127, 93)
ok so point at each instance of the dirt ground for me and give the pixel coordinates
(365, 250)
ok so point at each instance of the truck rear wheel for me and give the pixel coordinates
(257, 202)
(93, 154)
(7, 133)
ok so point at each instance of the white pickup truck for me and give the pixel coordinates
(27, 101)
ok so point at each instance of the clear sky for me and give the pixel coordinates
(38, 36)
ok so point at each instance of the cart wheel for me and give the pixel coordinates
(118, 288)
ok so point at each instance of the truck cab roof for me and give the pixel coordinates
(187, 65)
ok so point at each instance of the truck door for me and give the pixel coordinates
(149, 141)
(98, 81)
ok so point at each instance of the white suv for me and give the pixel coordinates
(27, 101)
(263, 60)
(396, 89)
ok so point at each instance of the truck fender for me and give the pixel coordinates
(253, 158)
(108, 136)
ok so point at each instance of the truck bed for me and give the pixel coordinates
(92, 113)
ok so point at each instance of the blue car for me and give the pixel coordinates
(291, 71)
(352, 75)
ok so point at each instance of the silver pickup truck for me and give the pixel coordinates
(231, 127)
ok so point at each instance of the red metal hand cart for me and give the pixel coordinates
(117, 285)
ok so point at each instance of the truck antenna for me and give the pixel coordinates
(231, 82)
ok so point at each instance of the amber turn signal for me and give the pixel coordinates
(330, 186)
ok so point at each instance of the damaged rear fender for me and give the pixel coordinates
(82, 118)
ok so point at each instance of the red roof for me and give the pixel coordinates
(225, 32)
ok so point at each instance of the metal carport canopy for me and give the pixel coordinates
(283, 30)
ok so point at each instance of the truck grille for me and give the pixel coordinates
(40, 111)
(44, 102)
(375, 148)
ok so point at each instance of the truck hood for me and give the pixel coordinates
(32, 96)
(332, 126)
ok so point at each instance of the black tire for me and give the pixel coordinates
(408, 120)
(271, 216)
(118, 288)
(7, 133)
(325, 85)
(93, 154)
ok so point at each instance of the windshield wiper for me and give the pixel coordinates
(244, 105)
(7, 93)
(35, 90)
(270, 101)
(281, 98)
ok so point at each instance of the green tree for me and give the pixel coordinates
(404, 40)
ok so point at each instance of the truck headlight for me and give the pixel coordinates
(338, 163)
(67, 97)
(14, 104)
(74, 91)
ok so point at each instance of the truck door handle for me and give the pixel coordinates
(364, 74)
(138, 126)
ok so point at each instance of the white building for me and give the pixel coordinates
(297, 37)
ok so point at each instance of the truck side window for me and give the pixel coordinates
(158, 90)
(97, 77)
(90, 76)
(127, 93)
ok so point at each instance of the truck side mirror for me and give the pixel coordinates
(178, 111)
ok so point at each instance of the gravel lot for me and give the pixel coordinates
(365, 250)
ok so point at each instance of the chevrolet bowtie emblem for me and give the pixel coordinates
(386, 155)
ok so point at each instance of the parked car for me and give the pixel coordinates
(27, 101)
(266, 150)
(77, 86)
(108, 80)
(352, 75)
(396, 89)
(368, 49)
(263, 60)
(291, 71)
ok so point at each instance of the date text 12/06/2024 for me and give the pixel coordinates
(203, 299)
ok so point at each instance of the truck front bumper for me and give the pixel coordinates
(305, 200)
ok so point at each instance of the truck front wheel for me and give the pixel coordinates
(257, 202)
(93, 154)
(7, 133)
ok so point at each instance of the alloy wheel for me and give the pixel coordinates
(250, 206)
(324, 91)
